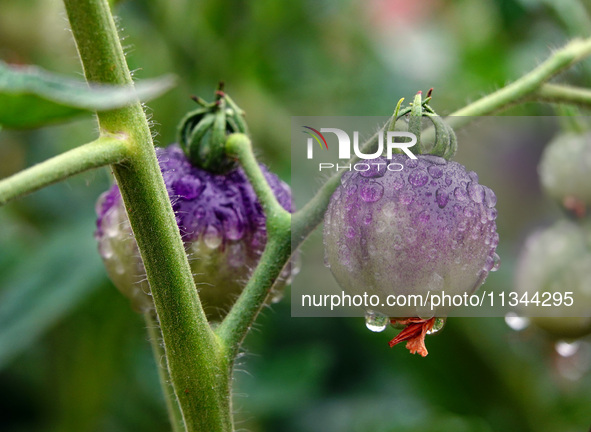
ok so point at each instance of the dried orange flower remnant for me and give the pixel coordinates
(414, 334)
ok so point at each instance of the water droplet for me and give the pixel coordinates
(389, 209)
(567, 349)
(448, 181)
(491, 214)
(212, 237)
(424, 216)
(412, 163)
(398, 183)
(441, 197)
(494, 241)
(350, 232)
(476, 192)
(371, 192)
(426, 311)
(462, 225)
(106, 249)
(516, 322)
(406, 197)
(377, 168)
(418, 178)
(367, 219)
(473, 176)
(496, 262)
(490, 199)
(460, 194)
(435, 171)
(351, 190)
(437, 326)
(375, 321)
(381, 226)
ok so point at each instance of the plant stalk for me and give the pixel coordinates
(103, 151)
(199, 372)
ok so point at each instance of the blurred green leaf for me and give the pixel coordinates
(32, 97)
(39, 291)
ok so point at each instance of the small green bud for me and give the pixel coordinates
(202, 133)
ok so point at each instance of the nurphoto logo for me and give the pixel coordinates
(344, 148)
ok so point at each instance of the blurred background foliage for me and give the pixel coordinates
(74, 357)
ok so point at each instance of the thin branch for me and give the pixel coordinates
(237, 323)
(103, 151)
(575, 51)
(563, 94)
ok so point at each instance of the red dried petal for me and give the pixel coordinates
(413, 334)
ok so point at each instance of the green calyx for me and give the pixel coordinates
(202, 133)
(445, 143)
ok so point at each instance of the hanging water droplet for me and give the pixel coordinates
(476, 192)
(567, 349)
(426, 311)
(106, 249)
(371, 192)
(460, 194)
(437, 326)
(418, 178)
(212, 237)
(375, 321)
(496, 262)
(435, 171)
(515, 322)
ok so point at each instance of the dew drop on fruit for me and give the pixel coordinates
(435, 171)
(476, 192)
(491, 214)
(412, 163)
(490, 199)
(398, 183)
(406, 197)
(437, 326)
(105, 249)
(426, 311)
(460, 194)
(212, 237)
(567, 349)
(516, 322)
(371, 192)
(418, 178)
(441, 197)
(375, 321)
(496, 262)
(350, 232)
(424, 216)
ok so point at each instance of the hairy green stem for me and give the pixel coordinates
(575, 51)
(155, 335)
(198, 369)
(237, 323)
(563, 94)
(103, 151)
(239, 146)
